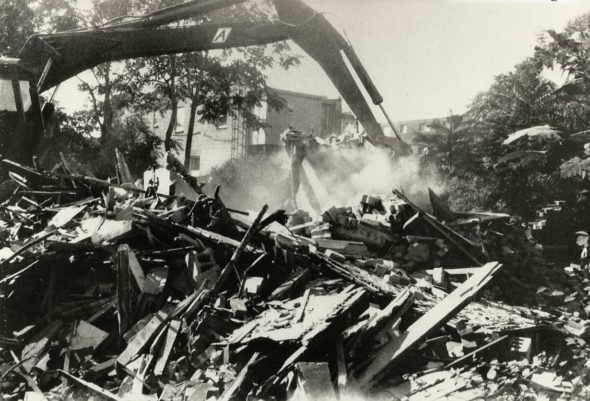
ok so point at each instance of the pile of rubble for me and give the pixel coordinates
(112, 291)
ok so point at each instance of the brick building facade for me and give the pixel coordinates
(214, 144)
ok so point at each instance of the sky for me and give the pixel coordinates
(427, 57)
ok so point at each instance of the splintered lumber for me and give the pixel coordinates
(199, 232)
(231, 391)
(347, 248)
(430, 321)
(65, 215)
(102, 183)
(154, 326)
(139, 378)
(23, 373)
(321, 311)
(91, 386)
(342, 378)
(86, 336)
(301, 310)
(123, 290)
(142, 338)
(137, 271)
(385, 318)
(111, 229)
(23, 170)
(28, 245)
(171, 335)
(454, 237)
(368, 281)
(292, 285)
(457, 271)
(232, 264)
(32, 396)
(314, 382)
(476, 352)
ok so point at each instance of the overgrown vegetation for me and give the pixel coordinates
(485, 168)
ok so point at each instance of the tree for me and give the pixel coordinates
(214, 83)
(446, 144)
(16, 25)
(523, 127)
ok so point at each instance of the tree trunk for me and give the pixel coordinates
(189, 135)
(108, 106)
(193, 115)
(171, 126)
(450, 146)
(174, 104)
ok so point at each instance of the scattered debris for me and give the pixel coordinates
(114, 292)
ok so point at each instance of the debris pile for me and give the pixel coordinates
(110, 291)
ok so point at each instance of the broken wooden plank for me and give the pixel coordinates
(171, 335)
(474, 353)
(137, 271)
(231, 391)
(26, 246)
(384, 318)
(142, 337)
(124, 312)
(347, 248)
(91, 386)
(23, 373)
(86, 336)
(342, 378)
(314, 382)
(430, 321)
(454, 237)
(301, 310)
(232, 264)
(369, 281)
(111, 229)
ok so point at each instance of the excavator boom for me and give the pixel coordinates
(49, 59)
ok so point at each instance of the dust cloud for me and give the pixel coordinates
(345, 173)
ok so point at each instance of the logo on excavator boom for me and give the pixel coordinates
(221, 35)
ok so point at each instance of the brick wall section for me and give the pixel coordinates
(212, 144)
(305, 113)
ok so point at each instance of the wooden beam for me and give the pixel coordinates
(430, 321)
(301, 310)
(123, 290)
(232, 264)
(233, 388)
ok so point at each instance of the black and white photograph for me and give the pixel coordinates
(294, 200)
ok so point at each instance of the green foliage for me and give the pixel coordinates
(73, 136)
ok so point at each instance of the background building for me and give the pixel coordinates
(214, 144)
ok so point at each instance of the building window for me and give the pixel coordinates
(404, 128)
(424, 128)
(258, 137)
(195, 163)
(327, 112)
(290, 108)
